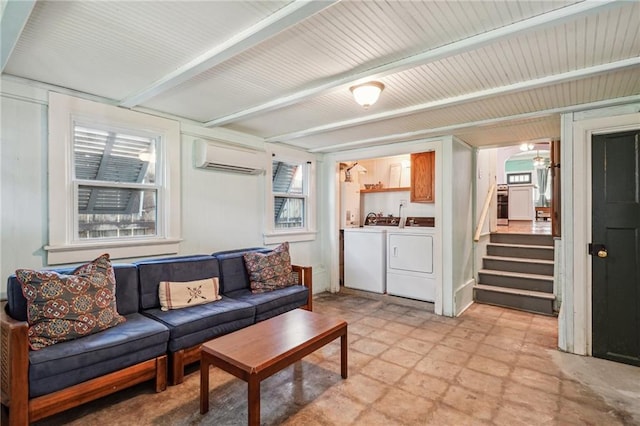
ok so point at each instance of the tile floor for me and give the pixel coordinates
(407, 366)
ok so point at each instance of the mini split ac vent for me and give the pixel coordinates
(212, 156)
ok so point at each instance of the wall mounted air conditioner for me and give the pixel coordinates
(211, 156)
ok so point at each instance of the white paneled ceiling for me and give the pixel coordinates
(489, 72)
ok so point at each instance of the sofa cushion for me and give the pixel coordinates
(233, 273)
(68, 363)
(269, 271)
(126, 291)
(180, 268)
(197, 324)
(182, 294)
(272, 303)
(66, 307)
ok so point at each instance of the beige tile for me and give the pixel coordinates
(488, 366)
(384, 371)
(423, 385)
(399, 328)
(510, 414)
(362, 388)
(337, 408)
(410, 320)
(369, 346)
(401, 357)
(441, 369)
(374, 417)
(543, 365)
(426, 334)
(451, 355)
(468, 334)
(497, 354)
(444, 415)
(472, 403)
(544, 340)
(356, 360)
(360, 329)
(459, 344)
(533, 398)
(503, 342)
(404, 407)
(480, 382)
(536, 379)
(512, 333)
(385, 336)
(438, 327)
(374, 322)
(415, 345)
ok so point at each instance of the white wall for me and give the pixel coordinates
(220, 210)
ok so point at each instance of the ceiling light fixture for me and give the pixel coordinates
(367, 94)
(538, 162)
(526, 147)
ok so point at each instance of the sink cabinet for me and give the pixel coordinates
(423, 177)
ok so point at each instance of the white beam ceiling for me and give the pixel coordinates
(14, 18)
(467, 97)
(290, 15)
(408, 136)
(554, 17)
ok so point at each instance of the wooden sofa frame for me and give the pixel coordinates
(15, 378)
(178, 360)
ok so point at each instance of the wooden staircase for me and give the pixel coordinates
(518, 273)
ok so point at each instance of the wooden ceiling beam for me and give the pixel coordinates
(290, 15)
(554, 17)
(467, 97)
(14, 18)
(451, 129)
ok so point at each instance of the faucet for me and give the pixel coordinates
(401, 224)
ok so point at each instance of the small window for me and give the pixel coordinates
(290, 206)
(518, 178)
(115, 183)
(289, 198)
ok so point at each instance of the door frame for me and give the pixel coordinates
(575, 328)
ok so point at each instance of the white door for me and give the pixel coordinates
(411, 252)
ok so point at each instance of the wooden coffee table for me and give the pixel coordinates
(261, 350)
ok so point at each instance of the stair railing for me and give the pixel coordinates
(483, 214)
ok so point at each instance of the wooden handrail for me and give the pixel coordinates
(485, 210)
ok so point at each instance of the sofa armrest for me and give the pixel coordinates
(305, 275)
(15, 365)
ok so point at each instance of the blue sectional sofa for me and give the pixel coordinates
(37, 384)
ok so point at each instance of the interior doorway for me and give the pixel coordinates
(527, 172)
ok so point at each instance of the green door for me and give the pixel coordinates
(616, 264)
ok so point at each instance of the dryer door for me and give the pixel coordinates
(410, 252)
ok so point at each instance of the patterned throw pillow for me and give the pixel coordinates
(270, 271)
(65, 307)
(175, 295)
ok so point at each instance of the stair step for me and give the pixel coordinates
(518, 280)
(515, 264)
(521, 251)
(526, 300)
(524, 239)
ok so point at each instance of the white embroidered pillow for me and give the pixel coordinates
(176, 295)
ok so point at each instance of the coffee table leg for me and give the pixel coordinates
(204, 386)
(343, 355)
(254, 401)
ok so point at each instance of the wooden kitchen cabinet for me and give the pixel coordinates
(423, 167)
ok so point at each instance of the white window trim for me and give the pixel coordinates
(63, 247)
(309, 232)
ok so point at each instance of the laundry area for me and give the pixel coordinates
(387, 226)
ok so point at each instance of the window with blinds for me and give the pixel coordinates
(115, 182)
(289, 195)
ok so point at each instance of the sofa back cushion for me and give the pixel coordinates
(126, 291)
(177, 268)
(233, 272)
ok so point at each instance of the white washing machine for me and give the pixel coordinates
(365, 259)
(410, 266)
